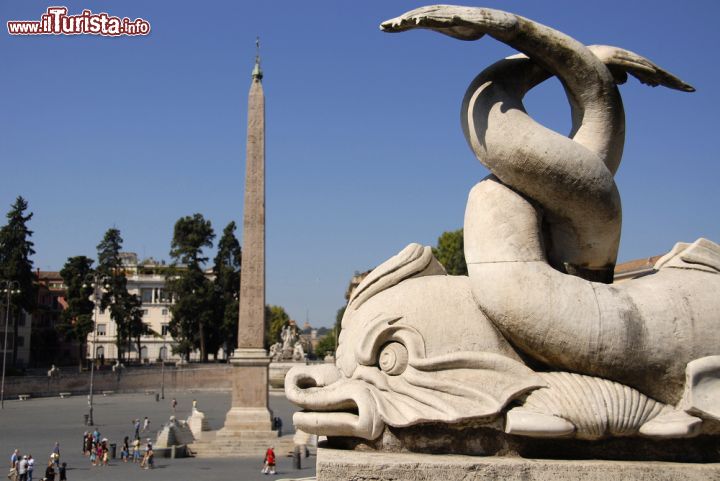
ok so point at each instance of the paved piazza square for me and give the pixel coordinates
(35, 425)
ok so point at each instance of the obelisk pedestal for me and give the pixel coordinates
(248, 424)
(249, 410)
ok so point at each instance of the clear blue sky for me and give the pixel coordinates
(364, 148)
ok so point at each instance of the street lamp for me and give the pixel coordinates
(9, 288)
(163, 355)
(92, 280)
(162, 370)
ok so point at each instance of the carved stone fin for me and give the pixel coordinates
(702, 388)
(672, 424)
(523, 422)
(413, 261)
(702, 255)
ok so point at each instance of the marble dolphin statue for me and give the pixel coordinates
(541, 237)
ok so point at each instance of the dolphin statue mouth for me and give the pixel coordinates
(338, 406)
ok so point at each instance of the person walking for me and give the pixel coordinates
(50, 472)
(125, 452)
(278, 425)
(136, 422)
(146, 424)
(173, 404)
(88, 444)
(56, 454)
(31, 467)
(149, 459)
(12, 475)
(106, 451)
(22, 469)
(136, 450)
(14, 458)
(63, 472)
(269, 467)
(147, 455)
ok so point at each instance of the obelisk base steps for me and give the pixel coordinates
(239, 420)
(248, 423)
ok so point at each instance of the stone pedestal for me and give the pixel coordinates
(248, 423)
(337, 465)
(197, 423)
(249, 410)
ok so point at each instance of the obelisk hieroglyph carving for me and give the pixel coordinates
(249, 410)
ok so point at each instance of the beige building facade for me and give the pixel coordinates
(145, 279)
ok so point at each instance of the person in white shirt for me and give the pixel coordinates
(30, 467)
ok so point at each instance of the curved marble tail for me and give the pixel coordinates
(571, 178)
(642, 333)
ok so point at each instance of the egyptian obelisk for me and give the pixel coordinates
(249, 416)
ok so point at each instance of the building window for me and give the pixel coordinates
(165, 329)
(146, 295)
(101, 329)
(162, 296)
(20, 341)
(163, 353)
(144, 312)
(164, 312)
(100, 352)
(144, 352)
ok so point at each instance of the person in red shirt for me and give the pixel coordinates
(269, 467)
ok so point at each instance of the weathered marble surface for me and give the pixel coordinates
(534, 342)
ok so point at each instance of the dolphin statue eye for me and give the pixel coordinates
(393, 358)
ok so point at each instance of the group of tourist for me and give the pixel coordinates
(99, 450)
(133, 452)
(23, 466)
(96, 448)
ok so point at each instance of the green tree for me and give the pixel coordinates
(275, 319)
(190, 235)
(76, 322)
(338, 318)
(227, 287)
(328, 343)
(193, 312)
(16, 265)
(450, 252)
(136, 328)
(115, 296)
(325, 346)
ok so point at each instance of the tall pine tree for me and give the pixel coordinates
(123, 306)
(227, 288)
(16, 265)
(77, 320)
(192, 312)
